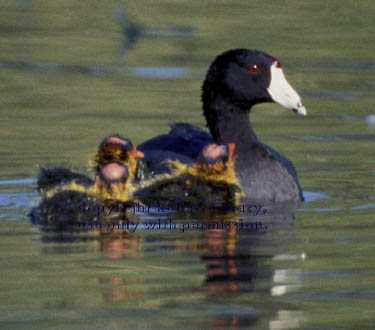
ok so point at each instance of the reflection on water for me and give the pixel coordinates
(17, 181)
(149, 72)
(370, 119)
(155, 72)
(235, 262)
(12, 201)
(310, 196)
(287, 320)
(361, 207)
(339, 137)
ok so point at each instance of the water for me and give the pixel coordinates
(73, 72)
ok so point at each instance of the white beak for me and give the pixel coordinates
(284, 94)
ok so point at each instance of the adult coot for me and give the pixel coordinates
(235, 81)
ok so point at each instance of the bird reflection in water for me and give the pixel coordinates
(115, 244)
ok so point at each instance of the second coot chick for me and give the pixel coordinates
(210, 182)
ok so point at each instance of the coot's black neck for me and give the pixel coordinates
(229, 123)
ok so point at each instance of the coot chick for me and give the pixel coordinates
(112, 149)
(210, 182)
(117, 149)
(74, 208)
(50, 178)
(112, 182)
(237, 80)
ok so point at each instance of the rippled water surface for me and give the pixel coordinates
(72, 72)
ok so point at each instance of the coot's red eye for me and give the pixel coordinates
(253, 68)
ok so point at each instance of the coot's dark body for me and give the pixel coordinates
(237, 80)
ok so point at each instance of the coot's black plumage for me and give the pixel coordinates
(237, 80)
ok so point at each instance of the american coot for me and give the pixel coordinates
(72, 200)
(49, 179)
(117, 149)
(112, 182)
(113, 148)
(209, 182)
(235, 81)
(75, 207)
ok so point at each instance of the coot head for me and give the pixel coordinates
(246, 77)
(117, 149)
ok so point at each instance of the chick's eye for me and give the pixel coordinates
(253, 68)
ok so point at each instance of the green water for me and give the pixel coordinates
(65, 84)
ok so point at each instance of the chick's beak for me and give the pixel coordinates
(231, 148)
(137, 153)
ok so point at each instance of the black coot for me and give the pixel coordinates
(235, 81)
